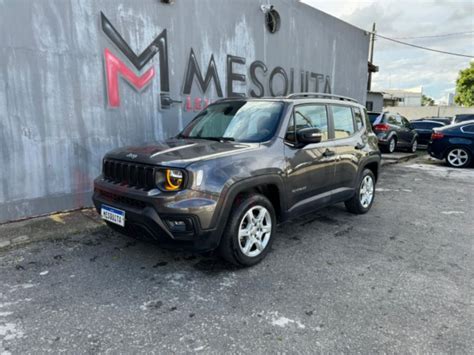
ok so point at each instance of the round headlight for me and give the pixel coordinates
(170, 179)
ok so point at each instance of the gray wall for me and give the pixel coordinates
(413, 113)
(55, 122)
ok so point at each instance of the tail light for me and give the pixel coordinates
(436, 135)
(382, 127)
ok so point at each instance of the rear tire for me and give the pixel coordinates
(364, 197)
(414, 146)
(458, 157)
(250, 230)
(391, 145)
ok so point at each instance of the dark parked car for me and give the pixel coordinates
(424, 129)
(240, 167)
(454, 143)
(444, 120)
(463, 117)
(393, 131)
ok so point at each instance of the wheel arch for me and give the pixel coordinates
(271, 186)
(374, 167)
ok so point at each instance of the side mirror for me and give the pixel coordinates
(309, 136)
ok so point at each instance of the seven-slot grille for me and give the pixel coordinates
(130, 174)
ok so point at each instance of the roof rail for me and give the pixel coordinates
(303, 95)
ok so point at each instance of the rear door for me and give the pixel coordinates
(394, 123)
(407, 132)
(349, 140)
(310, 169)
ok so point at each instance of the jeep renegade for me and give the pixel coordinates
(239, 168)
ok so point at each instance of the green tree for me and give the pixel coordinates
(427, 101)
(465, 87)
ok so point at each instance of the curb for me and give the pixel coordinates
(53, 227)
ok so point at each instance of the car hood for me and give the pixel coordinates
(179, 152)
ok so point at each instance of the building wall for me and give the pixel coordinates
(59, 111)
(376, 98)
(430, 111)
(403, 98)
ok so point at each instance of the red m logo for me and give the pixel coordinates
(114, 67)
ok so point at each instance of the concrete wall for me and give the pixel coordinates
(429, 111)
(57, 121)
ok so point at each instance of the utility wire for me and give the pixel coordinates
(439, 35)
(421, 47)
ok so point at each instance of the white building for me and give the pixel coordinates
(408, 97)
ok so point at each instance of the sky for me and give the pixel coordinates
(403, 67)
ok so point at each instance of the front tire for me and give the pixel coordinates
(458, 157)
(250, 229)
(363, 199)
(414, 146)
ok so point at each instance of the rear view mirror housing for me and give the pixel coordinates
(309, 136)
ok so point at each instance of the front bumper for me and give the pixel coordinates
(152, 215)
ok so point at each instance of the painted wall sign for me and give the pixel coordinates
(289, 82)
(72, 88)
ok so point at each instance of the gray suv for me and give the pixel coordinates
(238, 169)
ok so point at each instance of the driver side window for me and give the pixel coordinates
(308, 116)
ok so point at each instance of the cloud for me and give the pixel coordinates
(402, 66)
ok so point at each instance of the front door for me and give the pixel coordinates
(310, 169)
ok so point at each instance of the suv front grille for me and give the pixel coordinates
(130, 174)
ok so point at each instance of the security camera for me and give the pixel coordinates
(266, 8)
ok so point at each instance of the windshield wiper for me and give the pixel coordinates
(221, 139)
(217, 139)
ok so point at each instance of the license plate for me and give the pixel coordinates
(113, 215)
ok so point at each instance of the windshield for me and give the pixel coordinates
(242, 121)
(373, 117)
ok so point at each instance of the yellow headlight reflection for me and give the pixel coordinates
(174, 180)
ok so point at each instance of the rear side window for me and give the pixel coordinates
(391, 119)
(462, 118)
(420, 125)
(343, 121)
(312, 116)
(358, 118)
(426, 125)
(368, 123)
(469, 129)
(405, 122)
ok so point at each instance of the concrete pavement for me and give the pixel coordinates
(398, 279)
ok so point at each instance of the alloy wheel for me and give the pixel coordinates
(255, 230)
(414, 146)
(392, 145)
(458, 157)
(366, 191)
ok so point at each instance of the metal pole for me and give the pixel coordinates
(371, 56)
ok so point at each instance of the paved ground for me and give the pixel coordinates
(399, 279)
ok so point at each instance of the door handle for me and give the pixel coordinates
(329, 153)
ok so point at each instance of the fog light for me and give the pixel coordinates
(179, 225)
